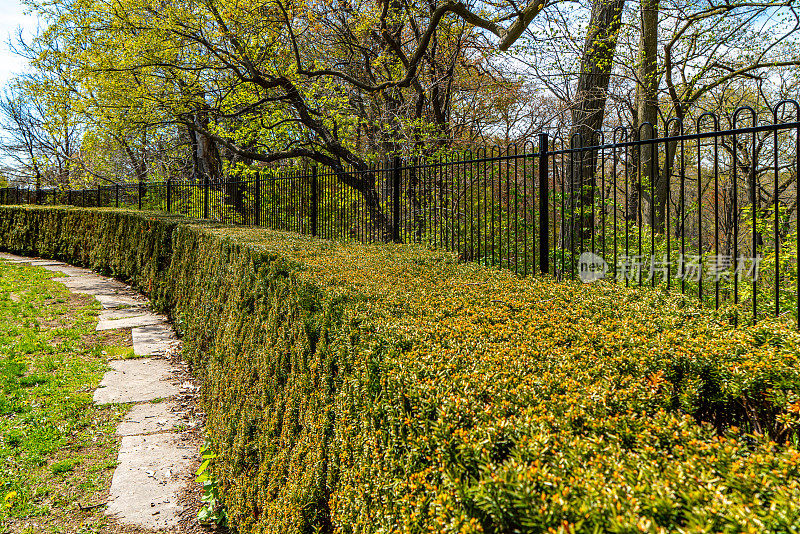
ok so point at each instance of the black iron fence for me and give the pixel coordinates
(706, 209)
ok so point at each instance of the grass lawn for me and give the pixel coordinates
(57, 450)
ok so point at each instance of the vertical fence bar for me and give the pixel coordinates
(699, 209)
(516, 209)
(273, 221)
(653, 152)
(257, 200)
(169, 195)
(484, 244)
(314, 201)
(602, 202)
(492, 197)
(754, 206)
(566, 159)
(776, 209)
(321, 227)
(574, 154)
(469, 182)
(396, 200)
(735, 231)
(480, 177)
(667, 212)
(500, 206)
(544, 220)
(615, 202)
(205, 197)
(639, 194)
(451, 168)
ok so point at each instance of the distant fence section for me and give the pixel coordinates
(703, 209)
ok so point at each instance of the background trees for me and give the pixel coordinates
(207, 89)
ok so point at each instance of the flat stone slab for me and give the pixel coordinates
(153, 340)
(112, 314)
(14, 258)
(93, 285)
(120, 301)
(151, 418)
(136, 380)
(69, 270)
(50, 265)
(146, 319)
(39, 262)
(146, 483)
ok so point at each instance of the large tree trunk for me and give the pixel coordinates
(647, 111)
(206, 158)
(372, 201)
(207, 163)
(588, 113)
(138, 162)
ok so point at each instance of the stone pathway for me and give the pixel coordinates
(154, 460)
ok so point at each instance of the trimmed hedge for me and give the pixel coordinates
(386, 388)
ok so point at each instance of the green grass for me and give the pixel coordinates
(119, 353)
(57, 450)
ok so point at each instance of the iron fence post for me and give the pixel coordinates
(314, 201)
(544, 193)
(257, 203)
(99, 197)
(396, 199)
(205, 197)
(139, 194)
(116, 195)
(169, 195)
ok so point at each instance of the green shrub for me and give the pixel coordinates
(385, 388)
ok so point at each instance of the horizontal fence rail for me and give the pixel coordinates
(703, 210)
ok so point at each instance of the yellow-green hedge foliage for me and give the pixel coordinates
(386, 388)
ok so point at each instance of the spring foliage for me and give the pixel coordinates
(386, 388)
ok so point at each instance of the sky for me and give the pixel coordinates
(12, 17)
